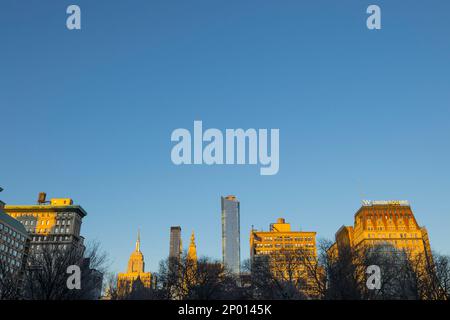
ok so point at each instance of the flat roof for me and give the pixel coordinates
(57, 208)
(291, 231)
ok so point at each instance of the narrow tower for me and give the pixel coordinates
(192, 251)
(175, 243)
(231, 234)
(135, 271)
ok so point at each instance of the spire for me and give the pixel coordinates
(138, 242)
(192, 251)
(192, 239)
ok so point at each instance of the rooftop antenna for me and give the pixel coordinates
(138, 242)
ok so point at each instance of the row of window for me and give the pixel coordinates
(45, 222)
(393, 235)
(38, 247)
(56, 230)
(42, 214)
(10, 264)
(286, 245)
(4, 229)
(11, 242)
(389, 219)
(395, 212)
(411, 244)
(390, 228)
(10, 251)
(286, 238)
(274, 257)
(50, 238)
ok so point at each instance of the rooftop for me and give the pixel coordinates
(369, 203)
(47, 207)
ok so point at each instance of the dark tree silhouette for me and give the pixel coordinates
(46, 272)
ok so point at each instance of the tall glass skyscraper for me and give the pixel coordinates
(231, 234)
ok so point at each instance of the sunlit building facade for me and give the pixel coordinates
(231, 234)
(384, 223)
(281, 237)
(290, 254)
(192, 250)
(55, 222)
(135, 275)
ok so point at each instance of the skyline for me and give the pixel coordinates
(88, 114)
(364, 204)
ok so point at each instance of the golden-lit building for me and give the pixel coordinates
(192, 250)
(281, 237)
(135, 274)
(287, 251)
(384, 222)
(189, 270)
(191, 260)
(55, 222)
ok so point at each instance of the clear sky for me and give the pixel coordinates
(88, 114)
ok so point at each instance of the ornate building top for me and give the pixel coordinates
(135, 275)
(136, 262)
(192, 251)
(384, 223)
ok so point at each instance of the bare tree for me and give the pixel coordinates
(111, 291)
(10, 283)
(430, 276)
(46, 274)
(287, 274)
(442, 272)
(204, 279)
(405, 275)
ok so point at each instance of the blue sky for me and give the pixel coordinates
(88, 114)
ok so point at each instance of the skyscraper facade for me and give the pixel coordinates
(13, 244)
(231, 234)
(135, 275)
(384, 223)
(281, 238)
(291, 255)
(175, 242)
(55, 222)
(55, 225)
